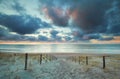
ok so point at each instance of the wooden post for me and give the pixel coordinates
(14, 54)
(103, 62)
(26, 58)
(79, 59)
(86, 60)
(40, 58)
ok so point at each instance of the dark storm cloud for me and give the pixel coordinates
(5, 34)
(58, 16)
(55, 11)
(22, 24)
(115, 29)
(88, 15)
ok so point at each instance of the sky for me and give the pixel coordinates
(60, 20)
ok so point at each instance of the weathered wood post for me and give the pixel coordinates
(86, 60)
(40, 58)
(26, 59)
(103, 62)
(15, 54)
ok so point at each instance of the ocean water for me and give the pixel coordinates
(61, 48)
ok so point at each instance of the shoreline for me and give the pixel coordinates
(42, 42)
(65, 54)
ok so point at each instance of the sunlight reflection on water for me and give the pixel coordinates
(62, 48)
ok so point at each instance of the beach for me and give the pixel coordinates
(58, 67)
(59, 39)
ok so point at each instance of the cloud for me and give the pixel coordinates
(57, 15)
(89, 16)
(86, 20)
(115, 29)
(68, 38)
(54, 33)
(91, 36)
(98, 36)
(43, 38)
(22, 24)
(3, 31)
(5, 34)
(56, 12)
(113, 18)
(18, 7)
(16, 37)
(107, 38)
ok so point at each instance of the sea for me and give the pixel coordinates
(61, 48)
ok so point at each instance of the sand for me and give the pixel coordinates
(12, 67)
